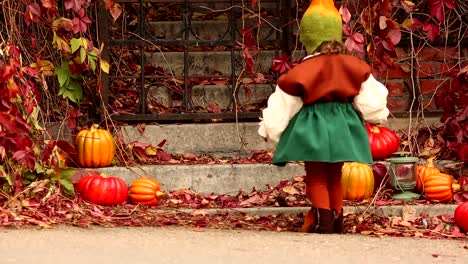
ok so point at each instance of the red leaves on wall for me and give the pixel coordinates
(76, 5)
(80, 22)
(437, 8)
(282, 64)
(32, 13)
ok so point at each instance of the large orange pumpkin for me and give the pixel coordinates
(357, 180)
(424, 171)
(96, 147)
(145, 191)
(440, 187)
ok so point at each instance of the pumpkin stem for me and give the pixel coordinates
(160, 194)
(430, 162)
(455, 187)
(94, 127)
(375, 129)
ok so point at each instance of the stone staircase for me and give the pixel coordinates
(237, 139)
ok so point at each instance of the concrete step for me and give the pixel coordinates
(212, 62)
(249, 96)
(206, 179)
(222, 139)
(214, 29)
(215, 178)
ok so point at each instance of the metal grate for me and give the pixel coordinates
(133, 37)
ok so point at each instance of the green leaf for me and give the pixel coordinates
(38, 168)
(63, 74)
(82, 54)
(67, 186)
(93, 54)
(75, 44)
(92, 63)
(65, 176)
(72, 91)
(29, 177)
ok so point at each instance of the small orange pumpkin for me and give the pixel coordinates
(357, 180)
(95, 146)
(424, 171)
(145, 191)
(440, 187)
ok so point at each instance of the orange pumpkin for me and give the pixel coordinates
(357, 180)
(145, 191)
(424, 171)
(440, 187)
(96, 147)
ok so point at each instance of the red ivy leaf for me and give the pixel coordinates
(355, 42)
(49, 4)
(411, 24)
(76, 5)
(408, 5)
(450, 4)
(254, 3)
(80, 23)
(432, 30)
(249, 61)
(395, 36)
(249, 41)
(25, 158)
(436, 8)
(282, 64)
(386, 7)
(345, 14)
(32, 14)
(463, 152)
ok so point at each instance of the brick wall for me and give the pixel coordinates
(430, 76)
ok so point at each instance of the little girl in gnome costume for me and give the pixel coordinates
(317, 114)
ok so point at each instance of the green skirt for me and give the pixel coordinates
(326, 132)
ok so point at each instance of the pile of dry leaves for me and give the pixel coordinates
(37, 206)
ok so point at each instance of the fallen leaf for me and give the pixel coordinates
(290, 190)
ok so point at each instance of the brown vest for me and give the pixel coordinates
(326, 78)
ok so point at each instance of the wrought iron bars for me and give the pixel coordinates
(185, 39)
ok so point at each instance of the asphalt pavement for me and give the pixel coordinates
(142, 245)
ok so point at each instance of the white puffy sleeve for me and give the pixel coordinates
(371, 102)
(281, 107)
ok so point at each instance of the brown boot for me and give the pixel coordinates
(318, 220)
(338, 222)
(325, 221)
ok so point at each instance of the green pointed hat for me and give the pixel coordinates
(321, 22)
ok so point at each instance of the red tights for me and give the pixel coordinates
(323, 185)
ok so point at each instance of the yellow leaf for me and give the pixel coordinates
(151, 150)
(45, 66)
(61, 44)
(104, 66)
(84, 43)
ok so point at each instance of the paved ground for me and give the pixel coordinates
(182, 245)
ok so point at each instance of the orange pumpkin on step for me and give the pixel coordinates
(440, 187)
(357, 180)
(145, 191)
(424, 171)
(96, 147)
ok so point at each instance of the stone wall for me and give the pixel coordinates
(430, 77)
